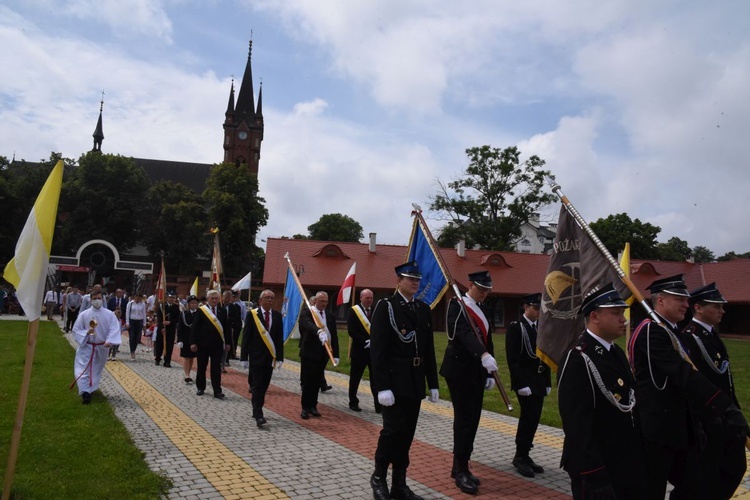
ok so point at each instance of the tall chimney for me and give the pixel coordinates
(461, 248)
(373, 245)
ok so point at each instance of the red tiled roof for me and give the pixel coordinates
(324, 264)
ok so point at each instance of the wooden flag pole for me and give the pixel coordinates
(22, 399)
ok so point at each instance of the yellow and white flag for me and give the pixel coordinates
(194, 288)
(28, 268)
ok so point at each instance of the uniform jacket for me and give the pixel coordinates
(309, 344)
(204, 334)
(359, 335)
(601, 441)
(526, 370)
(183, 329)
(717, 353)
(254, 349)
(171, 313)
(402, 348)
(663, 401)
(463, 356)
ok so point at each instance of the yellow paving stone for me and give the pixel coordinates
(214, 460)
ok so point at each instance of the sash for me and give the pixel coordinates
(478, 316)
(362, 318)
(213, 319)
(264, 334)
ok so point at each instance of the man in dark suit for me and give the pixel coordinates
(402, 353)
(262, 350)
(358, 326)
(312, 352)
(530, 378)
(602, 452)
(208, 338)
(234, 316)
(722, 461)
(672, 397)
(167, 317)
(467, 367)
(118, 301)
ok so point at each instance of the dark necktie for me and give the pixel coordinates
(213, 310)
(268, 319)
(367, 313)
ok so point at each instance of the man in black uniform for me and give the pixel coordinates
(467, 367)
(312, 352)
(358, 326)
(722, 461)
(262, 350)
(603, 452)
(530, 378)
(208, 337)
(672, 396)
(168, 318)
(402, 352)
(234, 316)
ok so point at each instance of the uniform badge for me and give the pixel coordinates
(599, 349)
(718, 355)
(617, 396)
(716, 363)
(403, 331)
(620, 382)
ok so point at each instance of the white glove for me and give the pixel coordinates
(489, 384)
(386, 398)
(549, 389)
(434, 396)
(336, 361)
(489, 362)
(367, 344)
(525, 391)
(245, 365)
(180, 345)
(278, 365)
(322, 336)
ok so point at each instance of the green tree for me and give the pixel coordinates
(236, 209)
(493, 198)
(733, 255)
(674, 249)
(702, 255)
(176, 219)
(616, 230)
(335, 227)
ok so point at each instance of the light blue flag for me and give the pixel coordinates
(434, 283)
(292, 305)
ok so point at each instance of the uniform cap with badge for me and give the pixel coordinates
(674, 285)
(535, 299)
(606, 296)
(708, 293)
(481, 279)
(409, 270)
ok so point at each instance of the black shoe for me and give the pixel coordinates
(538, 469)
(166, 365)
(86, 397)
(523, 467)
(402, 492)
(474, 479)
(314, 412)
(465, 484)
(188, 380)
(354, 407)
(157, 362)
(379, 488)
(304, 415)
(261, 422)
(199, 392)
(325, 388)
(223, 370)
(220, 395)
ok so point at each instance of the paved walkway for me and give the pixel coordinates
(211, 448)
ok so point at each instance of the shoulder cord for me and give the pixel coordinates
(708, 360)
(648, 355)
(526, 342)
(588, 373)
(606, 392)
(183, 319)
(455, 324)
(405, 338)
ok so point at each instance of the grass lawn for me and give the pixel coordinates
(67, 450)
(739, 353)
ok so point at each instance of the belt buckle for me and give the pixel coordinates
(540, 369)
(417, 362)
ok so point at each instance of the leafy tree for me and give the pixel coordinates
(335, 227)
(236, 209)
(616, 230)
(674, 249)
(176, 219)
(733, 255)
(495, 196)
(702, 255)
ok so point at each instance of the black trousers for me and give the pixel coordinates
(214, 354)
(528, 421)
(72, 317)
(311, 372)
(235, 341)
(259, 378)
(466, 397)
(722, 462)
(134, 333)
(168, 335)
(632, 490)
(679, 467)
(357, 369)
(399, 425)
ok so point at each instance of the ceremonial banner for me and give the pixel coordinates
(28, 268)
(194, 288)
(434, 284)
(576, 266)
(292, 305)
(161, 285)
(244, 283)
(345, 294)
(216, 267)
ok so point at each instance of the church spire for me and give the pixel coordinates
(230, 104)
(99, 132)
(245, 110)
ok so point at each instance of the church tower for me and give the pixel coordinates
(243, 122)
(99, 131)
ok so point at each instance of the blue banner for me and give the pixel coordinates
(292, 305)
(434, 283)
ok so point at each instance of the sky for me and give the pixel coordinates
(637, 106)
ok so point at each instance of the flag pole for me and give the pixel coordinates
(315, 317)
(22, 399)
(417, 212)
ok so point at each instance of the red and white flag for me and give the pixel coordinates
(345, 294)
(216, 267)
(161, 285)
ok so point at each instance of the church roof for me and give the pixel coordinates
(192, 175)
